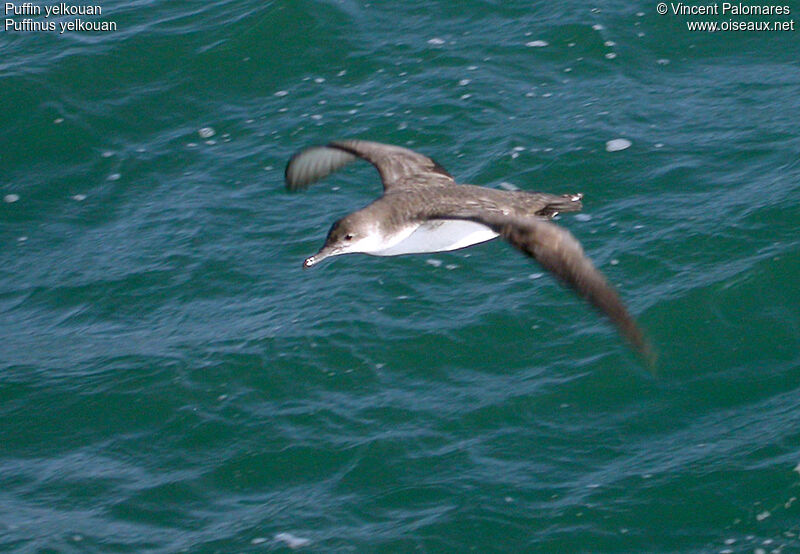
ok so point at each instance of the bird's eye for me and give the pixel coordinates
(348, 236)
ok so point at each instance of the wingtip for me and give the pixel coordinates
(287, 178)
(650, 357)
(290, 178)
(309, 165)
(638, 341)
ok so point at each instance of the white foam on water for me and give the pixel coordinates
(206, 132)
(615, 145)
(11, 198)
(537, 44)
(292, 541)
(436, 41)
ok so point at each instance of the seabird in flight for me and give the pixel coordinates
(423, 210)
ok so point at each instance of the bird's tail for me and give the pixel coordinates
(563, 203)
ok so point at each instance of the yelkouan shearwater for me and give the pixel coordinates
(423, 210)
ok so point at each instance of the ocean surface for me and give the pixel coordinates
(172, 380)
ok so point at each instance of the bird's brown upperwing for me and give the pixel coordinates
(560, 253)
(398, 167)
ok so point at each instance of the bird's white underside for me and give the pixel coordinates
(433, 236)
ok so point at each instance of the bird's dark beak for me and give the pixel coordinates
(325, 252)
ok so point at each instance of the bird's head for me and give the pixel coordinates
(352, 233)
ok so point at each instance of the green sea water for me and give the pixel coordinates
(172, 380)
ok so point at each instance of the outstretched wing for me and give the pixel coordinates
(560, 253)
(399, 167)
